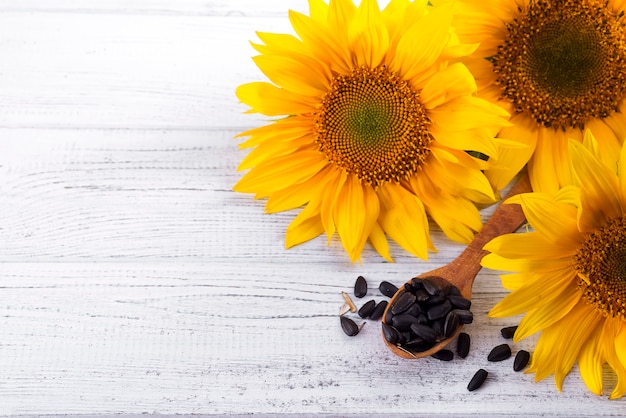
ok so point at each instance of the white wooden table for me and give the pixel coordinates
(134, 281)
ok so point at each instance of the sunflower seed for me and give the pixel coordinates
(403, 322)
(424, 331)
(453, 290)
(349, 301)
(414, 310)
(463, 345)
(521, 360)
(387, 289)
(443, 355)
(416, 284)
(508, 332)
(465, 316)
(350, 328)
(460, 302)
(367, 309)
(477, 381)
(360, 287)
(344, 309)
(439, 311)
(378, 311)
(402, 303)
(422, 296)
(391, 334)
(451, 324)
(432, 285)
(499, 353)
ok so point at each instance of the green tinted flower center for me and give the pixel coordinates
(372, 124)
(563, 62)
(601, 264)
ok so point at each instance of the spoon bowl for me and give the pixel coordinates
(462, 271)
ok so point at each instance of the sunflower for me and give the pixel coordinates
(375, 129)
(570, 275)
(558, 67)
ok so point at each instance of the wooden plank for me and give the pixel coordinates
(230, 337)
(247, 8)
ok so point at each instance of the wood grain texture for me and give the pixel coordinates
(134, 281)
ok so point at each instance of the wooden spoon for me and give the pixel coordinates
(462, 271)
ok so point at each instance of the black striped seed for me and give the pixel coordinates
(477, 381)
(379, 310)
(465, 316)
(508, 332)
(387, 289)
(432, 286)
(451, 324)
(367, 309)
(424, 332)
(360, 287)
(349, 327)
(463, 345)
(521, 360)
(443, 355)
(402, 303)
(391, 334)
(403, 322)
(499, 353)
(439, 311)
(460, 302)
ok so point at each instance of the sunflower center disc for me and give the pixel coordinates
(564, 62)
(372, 124)
(602, 262)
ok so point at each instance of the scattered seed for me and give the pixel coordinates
(387, 289)
(521, 360)
(463, 345)
(499, 353)
(344, 309)
(379, 310)
(349, 301)
(402, 303)
(508, 332)
(443, 355)
(360, 287)
(477, 381)
(367, 309)
(350, 328)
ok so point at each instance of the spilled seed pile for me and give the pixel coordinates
(424, 313)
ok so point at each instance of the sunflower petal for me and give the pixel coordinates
(270, 100)
(379, 242)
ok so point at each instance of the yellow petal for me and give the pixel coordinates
(273, 149)
(368, 35)
(599, 188)
(296, 73)
(590, 362)
(621, 168)
(299, 194)
(306, 226)
(379, 242)
(541, 290)
(277, 43)
(580, 323)
(281, 172)
(555, 221)
(547, 314)
(329, 200)
(530, 245)
(403, 218)
(466, 112)
(355, 214)
(614, 339)
(270, 100)
(450, 82)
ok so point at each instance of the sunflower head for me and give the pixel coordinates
(377, 127)
(559, 67)
(570, 272)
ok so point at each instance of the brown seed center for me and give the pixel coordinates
(601, 264)
(371, 123)
(564, 62)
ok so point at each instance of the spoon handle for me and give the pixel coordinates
(505, 219)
